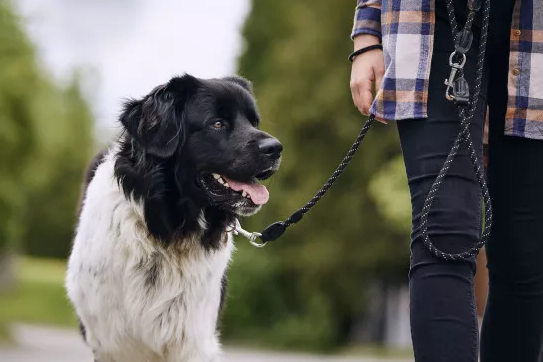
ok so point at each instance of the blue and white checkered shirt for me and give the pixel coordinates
(406, 28)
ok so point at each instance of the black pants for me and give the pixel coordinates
(443, 315)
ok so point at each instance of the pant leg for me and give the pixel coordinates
(443, 316)
(513, 321)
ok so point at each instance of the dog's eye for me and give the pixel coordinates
(218, 124)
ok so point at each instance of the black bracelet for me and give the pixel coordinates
(363, 50)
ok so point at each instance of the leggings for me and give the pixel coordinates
(444, 323)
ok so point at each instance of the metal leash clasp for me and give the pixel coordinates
(455, 68)
(252, 236)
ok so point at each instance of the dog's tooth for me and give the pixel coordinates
(221, 180)
(226, 184)
(216, 176)
(244, 194)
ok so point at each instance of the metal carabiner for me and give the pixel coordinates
(252, 236)
(455, 67)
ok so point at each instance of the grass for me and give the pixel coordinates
(39, 296)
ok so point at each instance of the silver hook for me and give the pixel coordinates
(250, 236)
(455, 68)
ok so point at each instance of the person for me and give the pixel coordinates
(408, 74)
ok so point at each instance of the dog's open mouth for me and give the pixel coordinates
(253, 191)
(241, 197)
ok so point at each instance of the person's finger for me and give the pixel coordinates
(366, 95)
(354, 93)
(356, 87)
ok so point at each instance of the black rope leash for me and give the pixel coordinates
(463, 40)
(277, 229)
(458, 92)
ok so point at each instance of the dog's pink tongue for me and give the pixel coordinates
(258, 193)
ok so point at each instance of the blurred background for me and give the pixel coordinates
(335, 284)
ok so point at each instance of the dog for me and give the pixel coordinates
(147, 271)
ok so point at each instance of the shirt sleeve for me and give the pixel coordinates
(367, 18)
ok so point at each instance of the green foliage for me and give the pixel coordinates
(395, 203)
(18, 76)
(45, 142)
(65, 143)
(40, 296)
(306, 289)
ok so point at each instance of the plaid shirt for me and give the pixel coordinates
(406, 28)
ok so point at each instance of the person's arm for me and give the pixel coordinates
(367, 18)
(368, 67)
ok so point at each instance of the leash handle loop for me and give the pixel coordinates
(464, 137)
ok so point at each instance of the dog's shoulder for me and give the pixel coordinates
(116, 269)
(89, 175)
(93, 165)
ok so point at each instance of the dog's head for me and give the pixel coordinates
(193, 145)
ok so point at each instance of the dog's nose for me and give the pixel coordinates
(270, 147)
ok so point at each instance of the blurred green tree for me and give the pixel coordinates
(54, 179)
(45, 142)
(18, 77)
(307, 289)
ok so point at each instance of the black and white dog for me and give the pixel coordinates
(147, 271)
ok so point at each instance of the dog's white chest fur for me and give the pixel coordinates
(137, 300)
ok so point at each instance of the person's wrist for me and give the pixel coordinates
(364, 43)
(364, 40)
(363, 50)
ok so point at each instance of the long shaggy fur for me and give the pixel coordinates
(147, 273)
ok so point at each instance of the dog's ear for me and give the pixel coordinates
(155, 121)
(244, 83)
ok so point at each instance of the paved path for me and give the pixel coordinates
(38, 344)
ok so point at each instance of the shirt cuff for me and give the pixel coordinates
(367, 18)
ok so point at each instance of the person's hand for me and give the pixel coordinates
(367, 68)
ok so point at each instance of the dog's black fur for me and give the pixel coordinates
(166, 148)
(172, 145)
(174, 139)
